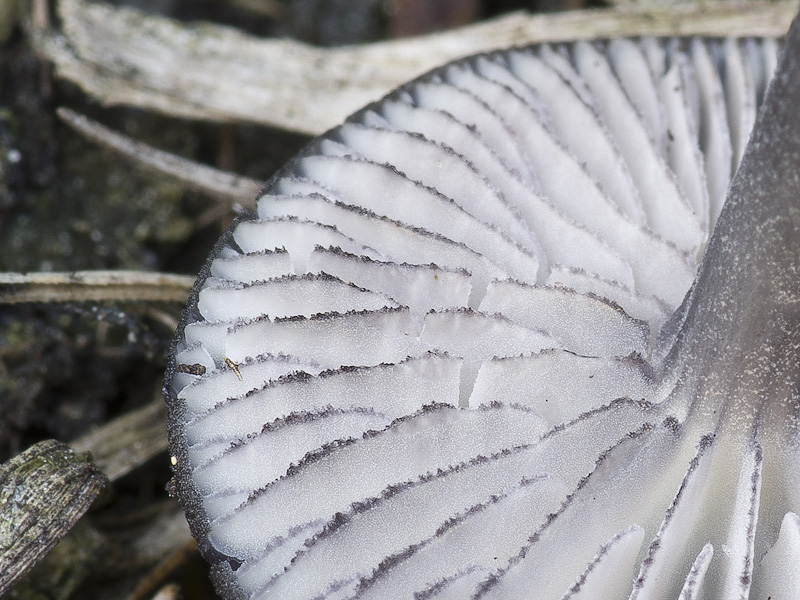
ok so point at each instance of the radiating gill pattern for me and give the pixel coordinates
(430, 366)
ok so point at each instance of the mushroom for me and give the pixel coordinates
(477, 342)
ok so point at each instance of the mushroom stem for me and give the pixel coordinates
(741, 319)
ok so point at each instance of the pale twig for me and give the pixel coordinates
(171, 591)
(165, 318)
(214, 182)
(43, 492)
(94, 286)
(149, 584)
(122, 56)
(128, 441)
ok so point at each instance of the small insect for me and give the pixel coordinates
(234, 367)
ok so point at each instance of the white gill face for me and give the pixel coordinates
(431, 366)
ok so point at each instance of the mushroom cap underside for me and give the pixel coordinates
(453, 355)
